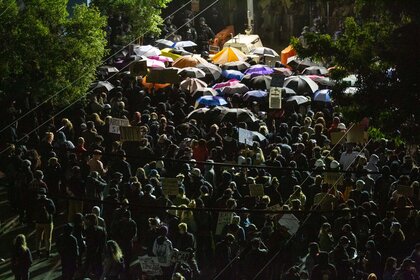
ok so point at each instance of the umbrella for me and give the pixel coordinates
(237, 88)
(298, 99)
(228, 55)
(191, 72)
(351, 91)
(260, 82)
(169, 53)
(192, 84)
(321, 80)
(211, 70)
(102, 84)
(198, 114)
(108, 69)
(301, 84)
(184, 44)
(205, 91)
(288, 92)
(237, 115)
(236, 65)
(351, 80)
(323, 95)
(208, 100)
(146, 51)
(258, 136)
(299, 64)
(258, 70)
(263, 51)
(315, 70)
(285, 71)
(151, 63)
(232, 74)
(254, 95)
(153, 85)
(163, 43)
(189, 61)
(226, 84)
(162, 58)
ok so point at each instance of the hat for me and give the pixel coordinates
(334, 164)
(341, 126)
(319, 163)
(195, 172)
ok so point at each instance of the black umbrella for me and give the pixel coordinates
(288, 92)
(237, 115)
(315, 70)
(198, 114)
(301, 84)
(260, 82)
(299, 64)
(236, 65)
(212, 71)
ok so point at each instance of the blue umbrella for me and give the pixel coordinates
(232, 74)
(209, 101)
(254, 94)
(323, 95)
(259, 70)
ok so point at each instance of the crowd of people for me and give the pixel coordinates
(103, 204)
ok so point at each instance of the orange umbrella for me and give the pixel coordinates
(189, 61)
(228, 55)
(149, 86)
(286, 53)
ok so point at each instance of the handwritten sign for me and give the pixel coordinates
(333, 178)
(405, 191)
(245, 136)
(115, 123)
(356, 135)
(150, 266)
(170, 186)
(290, 222)
(256, 190)
(130, 133)
(275, 98)
(224, 219)
(338, 137)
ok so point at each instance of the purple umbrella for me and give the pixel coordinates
(258, 70)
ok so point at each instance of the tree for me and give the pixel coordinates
(43, 50)
(382, 35)
(131, 19)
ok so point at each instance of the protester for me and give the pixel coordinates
(21, 258)
(68, 249)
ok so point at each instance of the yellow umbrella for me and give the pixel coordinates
(168, 53)
(228, 55)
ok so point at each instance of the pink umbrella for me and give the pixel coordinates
(229, 83)
(162, 58)
(151, 63)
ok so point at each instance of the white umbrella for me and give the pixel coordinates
(146, 51)
(263, 51)
(184, 44)
(163, 43)
(192, 84)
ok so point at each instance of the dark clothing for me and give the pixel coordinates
(185, 241)
(45, 211)
(69, 251)
(21, 262)
(95, 244)
(324, 272)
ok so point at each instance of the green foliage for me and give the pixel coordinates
(43, 50)
(381, 35)
(138, 17)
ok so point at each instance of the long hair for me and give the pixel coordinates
(114, 250)
(20, 242)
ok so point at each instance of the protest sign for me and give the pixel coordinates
(170, 186)
(256, 190)
(150, 266)
(338, 137)
(275, 98)
(333, 178)
(163, 76)
(224, 219)
(356, 135)
(130, 133)
(115, 123)
(245, 136)
(407, 191)
(138, 68)
(290, 222)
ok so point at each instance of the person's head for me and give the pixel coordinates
(372, 276)
(49, 136)
(154, 223)
(91, 220)
(38, 174)
(68, 229)
(96, 211)
(395, 227)
(114, 250)
(183, 228)
(325, 228)
(229, 238)
(20, 241)
(390, 264)
(313, 248)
